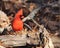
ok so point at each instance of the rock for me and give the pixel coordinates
(2, 47)
(4, 21)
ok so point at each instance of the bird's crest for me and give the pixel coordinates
(19, 13)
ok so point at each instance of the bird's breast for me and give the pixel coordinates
(17, 24)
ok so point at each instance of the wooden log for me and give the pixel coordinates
(56, 41)
(13, 40)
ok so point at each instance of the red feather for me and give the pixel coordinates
(17, 23)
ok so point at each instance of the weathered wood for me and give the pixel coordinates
(18, 40)
(56, 41)
(13, 40)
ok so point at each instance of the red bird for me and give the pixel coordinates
(17, 23)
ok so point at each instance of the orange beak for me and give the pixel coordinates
(22, 17)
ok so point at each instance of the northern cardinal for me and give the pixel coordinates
(17, 23)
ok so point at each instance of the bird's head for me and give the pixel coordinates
(19, 14)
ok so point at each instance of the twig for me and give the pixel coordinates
(41, 26)
(28, 26)
(31, 15)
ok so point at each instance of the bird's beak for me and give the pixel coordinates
(22, 17)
